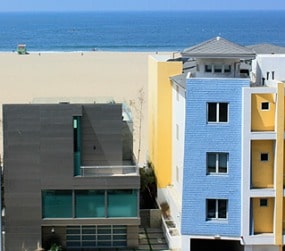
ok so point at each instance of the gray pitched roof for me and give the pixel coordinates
(218, 48)
(180, 79)
(267, 49)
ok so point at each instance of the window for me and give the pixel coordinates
(217, 162)
(208, 68)
(265, 106)
(272, 75)
(264, 157)
(177, 173)
(177, 131)
(122, 203)
(227, 68)
(218, 68)
(267, 75)
(217, 112)
(263, 202)
(89, 203)
(57, 204)
(216, 209)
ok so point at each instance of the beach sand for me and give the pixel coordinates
(63, 75)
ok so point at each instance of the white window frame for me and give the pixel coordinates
(216, 210)
(217, 154)
(262, 109)
(217, 113)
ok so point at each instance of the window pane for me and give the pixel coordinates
(223, 162)
(211, 209)
(264, 157)
(122, 203)
(208, 68)
(212, 112)
(227, 68)
(211, 165)
(89, 204)
(218, 68)
(223, 112)
(222, 207)
(57, 204)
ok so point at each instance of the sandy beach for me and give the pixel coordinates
(77, 75)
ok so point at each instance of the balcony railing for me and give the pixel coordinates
(92, 171)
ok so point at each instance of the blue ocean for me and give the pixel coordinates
(137, 31)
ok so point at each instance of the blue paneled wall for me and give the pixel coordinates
(202, 137)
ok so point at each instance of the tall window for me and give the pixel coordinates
(216, 209)
(217, 163)
(217, 112)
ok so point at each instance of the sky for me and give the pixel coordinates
(138, 5)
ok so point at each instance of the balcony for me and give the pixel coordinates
(94, 171)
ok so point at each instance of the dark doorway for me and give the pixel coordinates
(215, 245)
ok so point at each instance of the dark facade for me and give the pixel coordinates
(69, 178)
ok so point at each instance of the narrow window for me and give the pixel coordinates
(267, 75)
(177, 92)
(177, 131)
(208, 68)
(264, 157)
(227, 68)
(216, 209)
(217, 112)
(265, 106)
(177, 174)
(263, 202)
(272, 75)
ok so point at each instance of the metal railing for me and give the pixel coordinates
(91, 171)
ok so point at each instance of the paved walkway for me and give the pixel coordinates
(150, 239)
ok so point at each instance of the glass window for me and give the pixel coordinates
(122, 203)
(218, 68)
(217, 112)
(208, 68)
(217, 162)
(57, 204)
(264, 105)
(89, 204)
(216, 209)
(263, 202)
(264, 157)
(212, 112)
(227, 68)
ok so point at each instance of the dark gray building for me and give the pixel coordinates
(69, 177)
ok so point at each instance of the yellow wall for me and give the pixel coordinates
(262, 171)
(160, 117)
(262, 120)
(263, 216)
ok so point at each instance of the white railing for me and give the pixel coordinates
(108, 170)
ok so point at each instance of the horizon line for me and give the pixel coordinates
(178, 10)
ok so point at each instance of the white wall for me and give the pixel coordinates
(269, 63)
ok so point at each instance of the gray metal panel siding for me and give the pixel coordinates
(38, 154)
(101, 128)
(22, 176)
